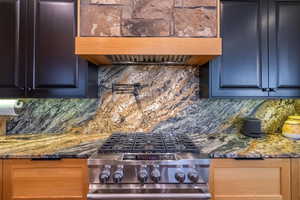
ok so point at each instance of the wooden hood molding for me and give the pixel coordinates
(99, 49)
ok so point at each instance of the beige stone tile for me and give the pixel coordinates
(196, 3)
(178, 3)
(100, 21)
(105, 2)
(199, 22)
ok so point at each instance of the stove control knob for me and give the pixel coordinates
(143, 175)
(105, 174)
(180, 176)
(155, 175)
(193, 176)
(118, 175)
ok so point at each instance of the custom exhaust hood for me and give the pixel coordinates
(148, 31)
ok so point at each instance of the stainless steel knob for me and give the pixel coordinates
(193, 176)
(118, 175)
(155, 175)
(180, 176)
(105, 174)
(143, 175)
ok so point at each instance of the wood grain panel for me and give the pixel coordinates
(250, 180)
(97, 59)
(1, 179)
(3, 125)
(96, 48)
(199, 60)
(295, 179)
(147, 46)
(43, 180)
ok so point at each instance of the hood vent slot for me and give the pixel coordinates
(148, 59)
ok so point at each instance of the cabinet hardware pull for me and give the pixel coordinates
(31, 89)
(268, 89)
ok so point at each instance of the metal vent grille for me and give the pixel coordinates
(147, 59)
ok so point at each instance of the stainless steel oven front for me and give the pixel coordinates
(148, 176)
(149, 191)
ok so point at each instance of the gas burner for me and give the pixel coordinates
(148, 143)
(148, 166)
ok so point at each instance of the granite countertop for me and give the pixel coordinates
(67, 145)
(239, 146)
(72, 145)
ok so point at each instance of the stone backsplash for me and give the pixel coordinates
(142, 18)
(166, 101)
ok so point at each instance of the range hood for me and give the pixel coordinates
(148, 50)
(186, 33)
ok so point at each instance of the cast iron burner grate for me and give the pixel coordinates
(148, 143)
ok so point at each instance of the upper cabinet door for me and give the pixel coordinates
(243, 67)
(284, 50)
(54, 70)
(12, 24)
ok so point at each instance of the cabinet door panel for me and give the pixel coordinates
(284, 47)
(295, 179)
(12, 52)
(249, 180)
(43, 180)
(55, 62)
(241, 69)
(55, 70)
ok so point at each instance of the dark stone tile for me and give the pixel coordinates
(145, 27)
(153, 9)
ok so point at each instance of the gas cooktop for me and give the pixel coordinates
(148, 166)
(148, 143)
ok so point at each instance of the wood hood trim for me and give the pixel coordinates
(95, 49)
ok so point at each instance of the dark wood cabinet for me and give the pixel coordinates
(49, 67)
(243, 64)
(12, 43)
(260, 50)
(284, 50)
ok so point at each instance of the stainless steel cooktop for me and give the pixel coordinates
(148, 166)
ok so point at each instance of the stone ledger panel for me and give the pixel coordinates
(148, 18)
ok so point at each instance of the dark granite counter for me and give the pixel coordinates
(71, 145)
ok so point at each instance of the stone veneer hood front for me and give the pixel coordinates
(148, 31)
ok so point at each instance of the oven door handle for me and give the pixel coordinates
(181, 196)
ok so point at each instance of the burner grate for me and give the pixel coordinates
(151, 143)
(148, 143)
(118, 143)
(180, 143)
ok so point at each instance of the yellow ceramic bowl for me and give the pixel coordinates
(291, 127)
